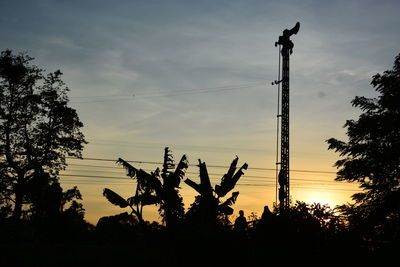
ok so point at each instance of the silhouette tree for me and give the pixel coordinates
(37, 128)
(49, 201)
(155, 189)
(371, 157)
(208, 207)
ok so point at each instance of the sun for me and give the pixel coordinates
(322, 198)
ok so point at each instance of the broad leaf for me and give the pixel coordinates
(114, 198)
(132, 171)
(229, 182)
(205, 183)
(179, 171)
(225, 207)
(230, 201)
(225, 210)
(144, 199)
(193, 185)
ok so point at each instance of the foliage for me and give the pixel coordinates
(37, 129)
(155, 189)
(50, 202)
(114, 198)
(371, 157)
(207, 207)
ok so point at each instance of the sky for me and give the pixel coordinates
(196, 76)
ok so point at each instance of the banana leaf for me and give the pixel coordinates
(225, 207)
(114, 198)
(148, 181)
(144, 199)
(231, 170)
(155, 182)
(180, 171)
(145, 180)
(132, 171)
(149, 199)
(230, 201)
(193, 185)
(205, 183)
(226, 178)
(225, 210)
(168, 162)
(204, 188)
(229, 182)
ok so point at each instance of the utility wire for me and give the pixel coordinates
(239, 184)
(177, 147)
(122, 171)
(211, 166)
(165, 94)
(178, 90)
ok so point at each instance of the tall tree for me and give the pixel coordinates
(371, 156)
(37, 128)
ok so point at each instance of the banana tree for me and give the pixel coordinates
(208, 205)
(155, 188)
(136, 203)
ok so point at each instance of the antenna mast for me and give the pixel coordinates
(286, 49)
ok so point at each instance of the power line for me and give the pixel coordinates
(239, 184)
(179, 90)
(146, 169)
(169, 93)
(190, 147)
(187, 147)
(309, 181)
(257, 177)
(211, 166)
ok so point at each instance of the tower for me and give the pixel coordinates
(286, 49)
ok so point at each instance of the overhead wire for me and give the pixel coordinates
(210, 166)
(177, 147)
(110, 98)
(212, 175)
(245, 178)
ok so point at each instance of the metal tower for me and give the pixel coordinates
(286, 49)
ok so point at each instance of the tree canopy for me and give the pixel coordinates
(371, 156)
(38, 129)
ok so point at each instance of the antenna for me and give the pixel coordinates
(286, 49)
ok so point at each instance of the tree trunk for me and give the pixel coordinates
(18, 199)
(140, 214)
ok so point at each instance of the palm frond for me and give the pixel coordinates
(114, 198)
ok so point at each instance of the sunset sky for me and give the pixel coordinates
(196, 76)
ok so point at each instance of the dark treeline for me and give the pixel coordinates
(41, 224)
